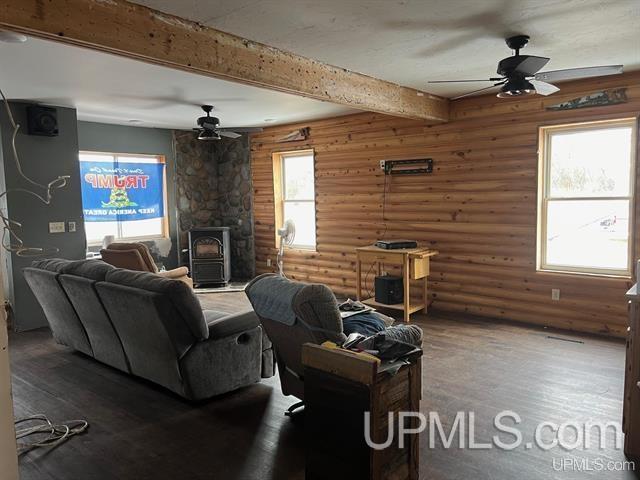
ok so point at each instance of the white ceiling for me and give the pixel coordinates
(111, 89)
(404, 41)
(411, 41)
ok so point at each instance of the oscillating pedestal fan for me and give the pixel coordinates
(287, 234)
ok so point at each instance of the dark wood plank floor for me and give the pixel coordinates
(140, 431)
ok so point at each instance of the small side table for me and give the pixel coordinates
(415, 266)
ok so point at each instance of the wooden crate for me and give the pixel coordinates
(339, 388)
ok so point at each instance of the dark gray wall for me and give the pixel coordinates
(43, 159)
(101, 137)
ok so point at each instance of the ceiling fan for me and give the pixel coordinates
(209, 127)
(519, 73)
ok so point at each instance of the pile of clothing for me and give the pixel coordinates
(374, 332)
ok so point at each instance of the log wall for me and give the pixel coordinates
(478, 208)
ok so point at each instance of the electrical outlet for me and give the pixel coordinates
(555, 294)
(382, 163)
(268, 262)
(56, 227)
(72, 227)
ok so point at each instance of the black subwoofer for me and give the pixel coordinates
(389, 289)
(42, 121)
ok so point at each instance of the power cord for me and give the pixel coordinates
(384, 233)
(14, 243)
(366, 277)
(50, 434)
(384, 205)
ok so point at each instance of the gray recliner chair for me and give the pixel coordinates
(292, 314)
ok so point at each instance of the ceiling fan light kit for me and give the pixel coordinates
(516, 87)
(519, 74)
(208, 135)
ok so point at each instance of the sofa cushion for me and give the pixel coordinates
(226, 325)
(105, 343)
(180, 295)
(90, 269)
(63, 320)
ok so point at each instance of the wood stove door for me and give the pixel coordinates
(207, 248)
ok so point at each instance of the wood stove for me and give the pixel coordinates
(210, 255)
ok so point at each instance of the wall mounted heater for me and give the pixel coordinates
(407, 167)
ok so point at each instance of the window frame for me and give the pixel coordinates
(544, 197)
(165, 219)
(279, 193)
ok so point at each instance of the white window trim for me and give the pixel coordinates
(165, 220)
(544, 155)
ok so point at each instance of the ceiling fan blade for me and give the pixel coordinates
(463, 81)
(228, 134)
(575, 73)
(544, 88)
(530, 65)
(241, 129)
(478, 91)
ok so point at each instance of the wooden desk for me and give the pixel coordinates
(415, 266)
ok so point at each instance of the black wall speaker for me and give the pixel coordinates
(389, 289)
(42, 121)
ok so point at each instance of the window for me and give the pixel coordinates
(294, 192)
(123, 195)
(585, 216)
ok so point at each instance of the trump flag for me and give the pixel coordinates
(122, 191)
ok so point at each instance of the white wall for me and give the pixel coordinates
(8, 454)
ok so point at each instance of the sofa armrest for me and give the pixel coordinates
(179, 273)
(175, 273)
(226, 325)
(219, 365)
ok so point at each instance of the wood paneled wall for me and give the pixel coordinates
(478, 208)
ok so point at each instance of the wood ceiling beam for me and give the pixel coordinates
(141, 33)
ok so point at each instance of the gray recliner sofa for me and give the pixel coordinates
(150, 326)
